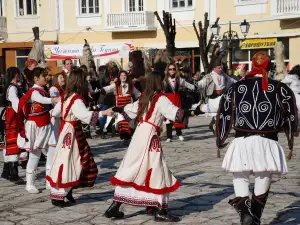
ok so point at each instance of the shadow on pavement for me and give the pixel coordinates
(289, 215)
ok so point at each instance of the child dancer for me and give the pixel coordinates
(144, 179)
(124, 91)
(172, 84)
(11, 101)
(59, 82)
(73, 163)
(35, 105)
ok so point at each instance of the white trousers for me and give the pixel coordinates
(34, 158)
(241, 183)
(9, 158)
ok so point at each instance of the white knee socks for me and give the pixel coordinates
(241, 183)
(50, 155)
(262, 183)
(34, 158)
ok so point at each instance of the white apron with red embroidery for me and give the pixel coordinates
(144, 178)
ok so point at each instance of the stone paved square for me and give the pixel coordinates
(202, 198)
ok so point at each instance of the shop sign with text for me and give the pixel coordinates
(75, 51)
(258, 43)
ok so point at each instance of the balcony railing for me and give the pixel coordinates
(286, 8)
(3, 29)
(130, 21)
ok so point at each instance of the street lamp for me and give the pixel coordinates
(230, 35)
(245, 26)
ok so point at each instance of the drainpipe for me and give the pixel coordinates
(57, 21)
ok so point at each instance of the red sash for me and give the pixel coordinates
(176, 100)
(11, 132)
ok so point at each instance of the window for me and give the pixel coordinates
(26, 7)
(21, 57)
(134, 5)
(89, 6)
(177, 4)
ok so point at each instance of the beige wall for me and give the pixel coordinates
(294, 51)
(226, 10)
(20, 28)
(140, 38)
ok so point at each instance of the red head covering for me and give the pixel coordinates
(29, 62)
(260, 65)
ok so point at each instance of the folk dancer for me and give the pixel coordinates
(144, 179)
(257, 107)
(172, 84)
(125, 92)
(211, 87)
(34, 108)
(59, 82)
(11, 149)
(73, 163)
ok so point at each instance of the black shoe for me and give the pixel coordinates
(59, 203)
(163, 215)
(43, 158)
(211, 125)
(99, 132)
(24, 164)
(6, 171)
(14, 171)
(257, 205)
(151, 210)
(70, 197)
(126, 142)
(243, 208)
(113, 211)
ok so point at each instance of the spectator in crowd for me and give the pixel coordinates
(68, 64)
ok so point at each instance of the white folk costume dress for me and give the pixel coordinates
(73, 164)
(143, 178)
(257, 117)
(172, 92)
(35, 105)
(124, 95)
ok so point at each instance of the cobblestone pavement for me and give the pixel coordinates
(202, 198)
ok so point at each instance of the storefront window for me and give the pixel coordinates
(22, 55)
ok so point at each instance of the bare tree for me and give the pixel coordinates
(204, 45)
(169, 27)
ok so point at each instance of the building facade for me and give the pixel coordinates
(113, 22)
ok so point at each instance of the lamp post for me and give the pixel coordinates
(230, 36)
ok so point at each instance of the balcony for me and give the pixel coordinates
(3, 29)
(286, 9)
(130, 21)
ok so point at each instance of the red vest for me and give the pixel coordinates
(35, 111)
